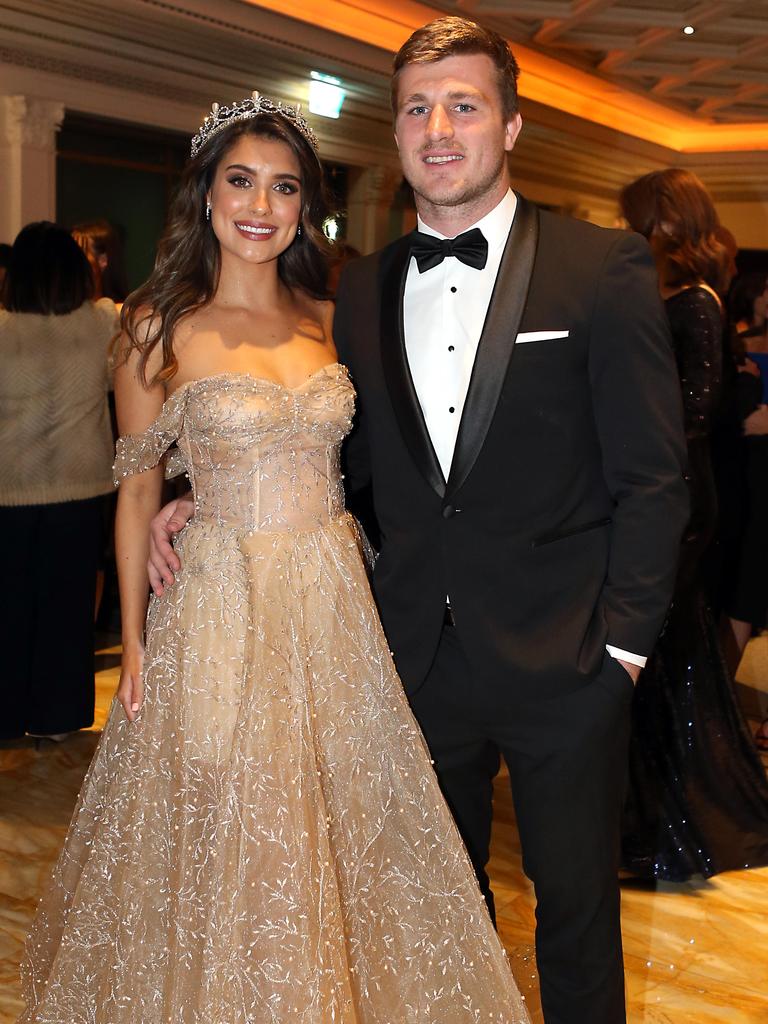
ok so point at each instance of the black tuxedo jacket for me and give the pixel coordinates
(557, 530)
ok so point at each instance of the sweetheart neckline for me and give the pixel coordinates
(256, 379)
(183, 388)
(253, 378)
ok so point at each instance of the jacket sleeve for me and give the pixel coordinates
(638, 412)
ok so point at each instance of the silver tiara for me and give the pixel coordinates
(244, 110)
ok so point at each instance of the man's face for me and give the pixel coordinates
(451, 132)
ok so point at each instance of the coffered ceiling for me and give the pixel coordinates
(718, 72)
(587, 129)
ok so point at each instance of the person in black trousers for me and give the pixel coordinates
(56, 455)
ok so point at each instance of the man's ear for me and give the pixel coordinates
(511, 131)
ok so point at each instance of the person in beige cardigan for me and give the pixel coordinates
(56, 456)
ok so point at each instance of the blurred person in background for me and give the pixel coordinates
(743, 578)
(749, 315)
(56, 456)
(728, 241)
(102, 244)
(5, 256)
(698, 800)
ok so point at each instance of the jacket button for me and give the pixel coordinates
(448, 511)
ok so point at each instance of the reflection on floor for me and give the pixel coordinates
(695, 953)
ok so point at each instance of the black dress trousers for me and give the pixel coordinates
(49, 557)
(567, 760)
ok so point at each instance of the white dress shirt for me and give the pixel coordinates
(444, 311)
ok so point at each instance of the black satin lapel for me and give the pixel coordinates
(397, 372)
(497, 341)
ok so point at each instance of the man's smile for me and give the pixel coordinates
(442, 158)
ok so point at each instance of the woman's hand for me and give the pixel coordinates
(756, 424)
(749, 366)
(130, 690)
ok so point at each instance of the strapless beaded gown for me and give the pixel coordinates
(267, 844)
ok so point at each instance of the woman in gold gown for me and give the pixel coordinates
(260, 838)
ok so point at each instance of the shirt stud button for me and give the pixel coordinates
(451, 408)
(451, 348)
(453, 287)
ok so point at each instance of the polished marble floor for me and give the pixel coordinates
(695, 953)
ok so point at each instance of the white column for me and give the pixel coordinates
(369, 205)
(28, 129)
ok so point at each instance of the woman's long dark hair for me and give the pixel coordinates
(188, 264)
(48, 272)
(674, 211)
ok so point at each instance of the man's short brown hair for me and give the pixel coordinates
(452, 36)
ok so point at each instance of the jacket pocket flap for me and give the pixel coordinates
(570, 531)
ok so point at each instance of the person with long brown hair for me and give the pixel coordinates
(698, 798)
(261, 836)
(673, 210)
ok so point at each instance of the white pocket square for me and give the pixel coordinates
(540, 336)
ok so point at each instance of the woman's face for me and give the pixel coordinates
(256, 199)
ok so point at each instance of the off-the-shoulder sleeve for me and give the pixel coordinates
(136, 453)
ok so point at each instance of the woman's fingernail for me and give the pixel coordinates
(134, 707)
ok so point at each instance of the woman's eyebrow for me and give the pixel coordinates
(252, 170)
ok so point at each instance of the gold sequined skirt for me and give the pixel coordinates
(267, 843)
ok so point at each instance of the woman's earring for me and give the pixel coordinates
(298, 231)
(208, 209)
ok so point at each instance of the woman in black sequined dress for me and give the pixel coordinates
(742, 580)
(698, 799)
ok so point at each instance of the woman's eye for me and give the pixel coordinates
(239, 181)
(286, 187)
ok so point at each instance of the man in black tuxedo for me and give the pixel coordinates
(519, 421)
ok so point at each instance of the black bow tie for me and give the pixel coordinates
(471, 248)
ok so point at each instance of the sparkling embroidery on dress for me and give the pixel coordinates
(267, 844)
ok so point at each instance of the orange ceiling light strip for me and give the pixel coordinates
(386, 24)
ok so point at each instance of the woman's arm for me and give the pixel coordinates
(697, 335)
(138, 501)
